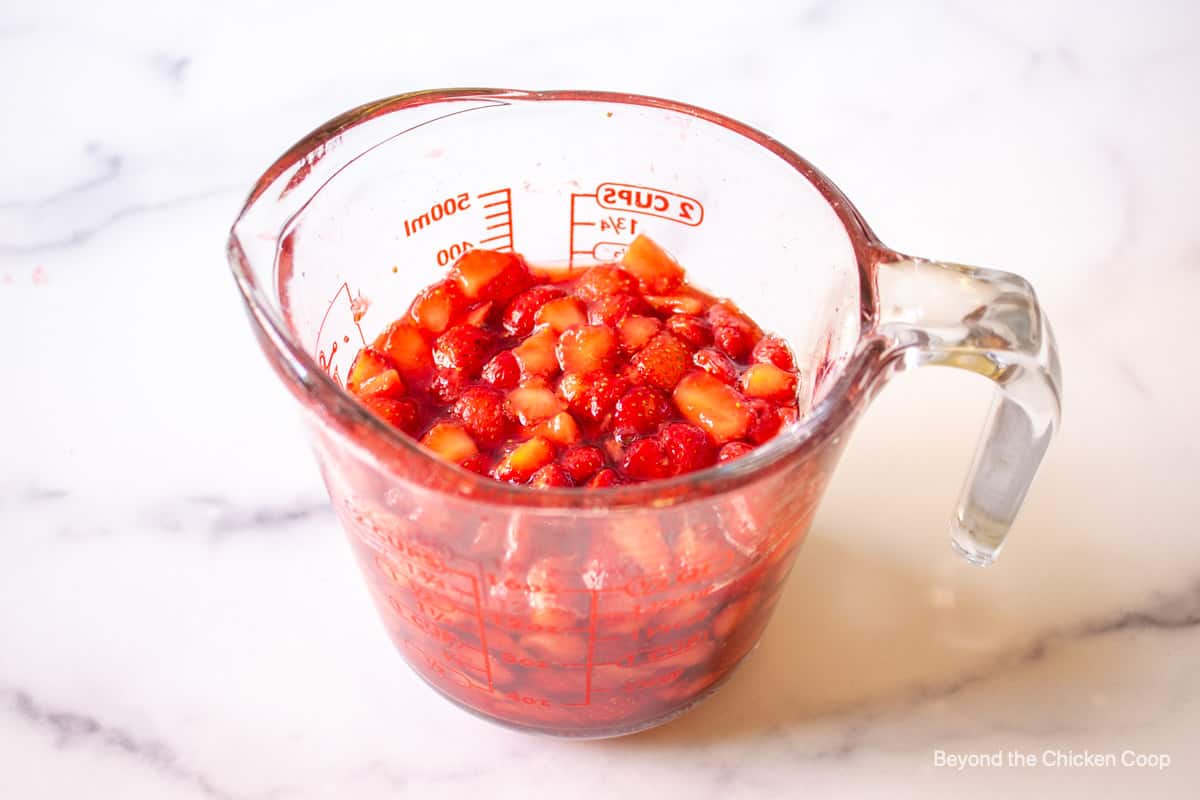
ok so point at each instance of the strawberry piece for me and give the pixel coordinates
(447, 385)
(641, 410)
(483, 413)
(765, 422)
(717, 364)
(386, 384)
(592, 396)
(480, 314)
(770, 382)
(551, 475)
(527, 458)
(733, 332)
(612, 309)
(489, 275)
(663, 361)
(716, 408)
(450, 441)
(733, 450)
(586, 348)
(536, 354)
(530, 404)
(502, 371)
(687, 447)
(653, 266)
(605, 478)
(436, 307)
(406, 348)
(605, 280)
(562, 429)
(401, 413)
(563, 313)
(582, 462)
(646, 460)
(691, 329)
(463, 348)
(368, 364)
(676, 303)
(773, 350)
(518, 317)
(634, 332)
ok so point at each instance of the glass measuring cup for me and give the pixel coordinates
(602, 612)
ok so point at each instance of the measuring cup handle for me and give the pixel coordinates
(990, 323)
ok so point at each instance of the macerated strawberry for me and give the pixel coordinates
(551, 475)
(653, 266)
(641, 410)
(593, 395)
(483, 413)
(770, 382)
(368, 364)
(480, 314)
(582, 462)
(615, 308)
(634, 332)
(765, 422)
(386, 384)
(562, 429)
(717, 364)
(733, 332)
(447, 385)
(691, 329)
(519, 316)
(401, 413)
(524, 460)
(713, 406)
(464, 348)
(450, 441)
(605, 478)
(645, 460)
(530, 404)
(687, 447)
(536, 354)
(676, 303)
(437, 306)
(563, 313)
(406, 348)
(605, 280)
(490, 275)
(773, 350)
(663, 361)
(586, 348)
(502, 371)
(733, 450)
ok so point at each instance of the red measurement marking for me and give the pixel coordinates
(648, 200)
(501, 199)
(635, 203)
(487, 660)
(326, 359)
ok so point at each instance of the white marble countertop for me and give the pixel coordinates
(180, 618)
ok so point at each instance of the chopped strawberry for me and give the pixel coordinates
(401, 413)
(773, 350)
(450, 441)
(536, 354)
(502, 371)
(368, 364)
(483, 413)
(562, 429)
(447, 385)
(691, 329)
(563, 313)
(551, 475)
(605, 478)
(717, 364)
(676, 303)
(530, 404)
(733, 450)
(645, 460)
(464, 348)
(765, 422)
(687, 447)
(770, 382)
(519, 315)
(641, 410)
(480, 314)
(386, 384)
(733, 332)
(634, 332)
(582, 462)
(524, 460)
(713, 406)
(406, 348)
(605, 280)
(614, 308)
(653, 266)
(490, 275)
(663, 361)
(592, 396)
(437, 306)
(586, 348)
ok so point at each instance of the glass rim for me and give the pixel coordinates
(311, 383)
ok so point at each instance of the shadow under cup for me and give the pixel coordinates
(569, 612)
